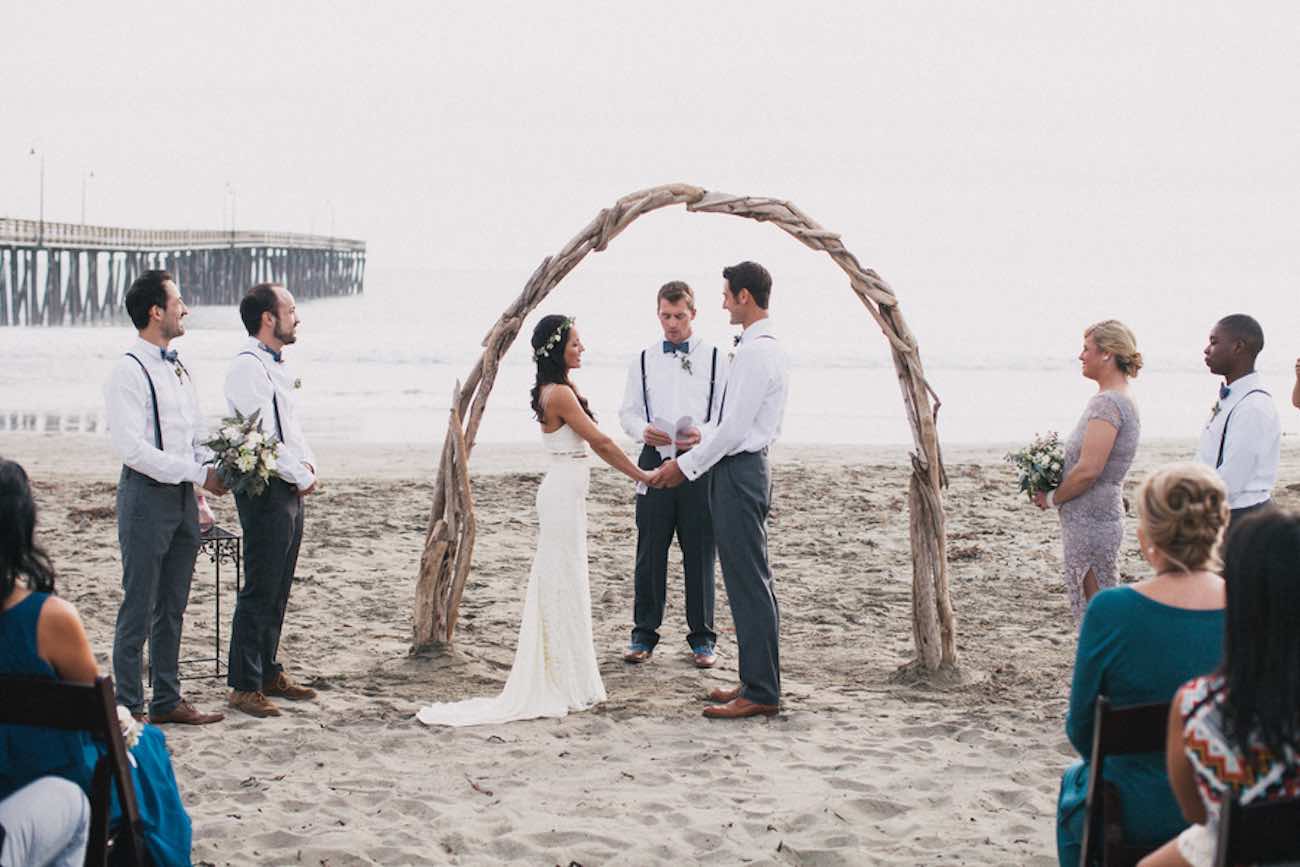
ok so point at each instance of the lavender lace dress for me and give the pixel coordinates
(1092, 524)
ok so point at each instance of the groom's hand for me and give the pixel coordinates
(669, 475)
(652, 436)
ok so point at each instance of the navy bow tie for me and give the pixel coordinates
(169, 354)
(1224, 391)
(275, 355)
(669, 346)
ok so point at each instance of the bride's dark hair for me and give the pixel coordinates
(549, 339)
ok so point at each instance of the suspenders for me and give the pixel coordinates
(713, 381)
(153, 394)
(1223, 439)
(275, 404)
(723, 405)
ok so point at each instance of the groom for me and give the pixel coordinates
(740, 487)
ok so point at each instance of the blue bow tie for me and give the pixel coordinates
(169, 354)
(1224, 391)
(275, 355)
(669, 346)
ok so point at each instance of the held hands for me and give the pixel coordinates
(669, 475)
(655, 437)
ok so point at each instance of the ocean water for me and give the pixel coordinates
(381, 367)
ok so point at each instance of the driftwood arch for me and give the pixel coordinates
(449, 544)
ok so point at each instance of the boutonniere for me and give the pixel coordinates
(297, 383)
(180, 370)
(735, 344)
(684, 360)
(1215, 410)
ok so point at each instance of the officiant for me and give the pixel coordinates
(673, 388)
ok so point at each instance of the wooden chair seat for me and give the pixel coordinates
(79, 707)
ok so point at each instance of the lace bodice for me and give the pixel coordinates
(565, 444)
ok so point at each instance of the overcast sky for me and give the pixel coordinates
(1139, 156)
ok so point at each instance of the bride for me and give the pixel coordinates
(555, 660)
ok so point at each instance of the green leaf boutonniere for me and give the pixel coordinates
(685, 361)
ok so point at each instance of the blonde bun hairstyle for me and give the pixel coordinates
(1116, 339)
(1183, 510)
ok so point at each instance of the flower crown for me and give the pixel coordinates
(551, 342)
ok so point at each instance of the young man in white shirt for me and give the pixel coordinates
(259, 380)
(740, 489)
(1243, 438)
(156, 428)
(673, 378)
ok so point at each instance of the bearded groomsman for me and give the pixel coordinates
(260, 380)
(156, 428)
(740, 489)
(675, 377)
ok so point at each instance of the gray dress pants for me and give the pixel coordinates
(740, 490)
(158, 531)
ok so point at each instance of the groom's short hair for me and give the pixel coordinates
(751, 276)
(674, 291)
(260, 299)
(1246, 329)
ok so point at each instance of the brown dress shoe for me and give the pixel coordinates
(186, 714)
(637, 657)
(740, 707)
(283, 687)
(253, 704)
(704, 659)
(724, 694)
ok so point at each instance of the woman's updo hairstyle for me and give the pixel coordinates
(1183, 509)
(1114, 338)
(549, 339)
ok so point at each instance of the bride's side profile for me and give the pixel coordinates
(555, 670)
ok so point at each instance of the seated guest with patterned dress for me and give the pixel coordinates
(1236, 733)
(41, 636)
(1139, 642)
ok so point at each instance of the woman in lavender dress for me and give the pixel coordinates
(1098, 454)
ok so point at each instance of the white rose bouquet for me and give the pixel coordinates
(244, 456)
(1040, 464)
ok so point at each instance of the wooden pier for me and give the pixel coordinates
(71, 274)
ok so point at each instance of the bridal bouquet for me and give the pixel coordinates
(1039, 464)
(243, 454)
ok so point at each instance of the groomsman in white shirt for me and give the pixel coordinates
(1243, 438)
(156, 428)
(670, 379)
(740, 490)
(260, 380)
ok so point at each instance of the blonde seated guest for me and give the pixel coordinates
(1139, 642)
(1098, 454)
(1236, 732)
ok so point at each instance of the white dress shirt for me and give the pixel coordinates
(673, 391)
(754, 403)
(1252, 447)
(130, 414)
(250, 385)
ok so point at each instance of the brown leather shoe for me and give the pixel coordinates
(636, 657)
(740, 707)
(187, 714)
(724, 694)
(252, 703)
(704, 658)
(283, 687)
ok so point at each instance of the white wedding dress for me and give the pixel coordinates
(555, 661)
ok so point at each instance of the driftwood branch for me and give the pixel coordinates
(445, 562)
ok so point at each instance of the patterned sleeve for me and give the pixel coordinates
(1105, 407)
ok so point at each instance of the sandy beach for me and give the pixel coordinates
(858, 769)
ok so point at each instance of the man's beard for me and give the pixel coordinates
(285, 337)
(172, 332)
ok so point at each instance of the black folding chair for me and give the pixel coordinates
(1116, 732)
(77, 707)
(1264, 833)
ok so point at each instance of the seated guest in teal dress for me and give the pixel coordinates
(1140, 642)
(41, 636)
